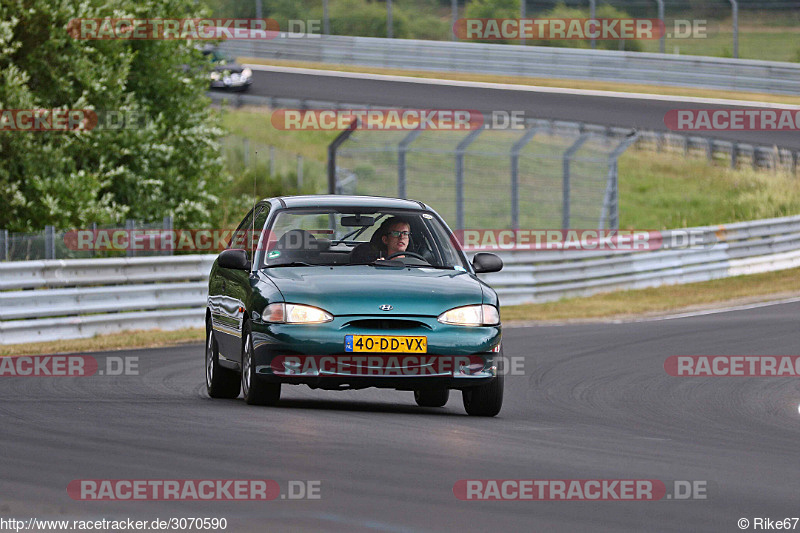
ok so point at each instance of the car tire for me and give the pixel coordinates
(484, 400)
(254, 389)
(432, 398)
(220, 382)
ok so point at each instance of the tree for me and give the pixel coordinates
(166, 162)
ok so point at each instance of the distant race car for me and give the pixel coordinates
(226, 73)
(350, 292)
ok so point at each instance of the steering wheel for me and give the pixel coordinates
(412, 254)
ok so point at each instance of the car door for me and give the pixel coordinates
(228, 290)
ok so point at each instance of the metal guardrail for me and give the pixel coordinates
(739, 248)
(534, 61)
(67, 299)
(77, 298)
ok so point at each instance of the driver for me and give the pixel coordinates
(396, 236)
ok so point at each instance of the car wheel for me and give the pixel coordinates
(431, 398)
(220, 382)
(255, 390)
(484, 400)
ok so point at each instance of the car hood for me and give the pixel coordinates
(361, 289)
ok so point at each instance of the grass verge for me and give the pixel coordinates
(117, 341)
(657, 300)
(540, 82)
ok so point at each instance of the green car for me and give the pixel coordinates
(349, 292)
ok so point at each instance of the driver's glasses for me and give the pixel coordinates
(398, 234)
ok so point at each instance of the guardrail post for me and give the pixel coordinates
(402, 149)
(49, 242)
(460, 151)
(342, 137)
(515, 150)
(3, 245)
(565, 186)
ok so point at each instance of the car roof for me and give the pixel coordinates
(339, 200)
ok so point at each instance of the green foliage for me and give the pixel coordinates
(562, 11)
(168, 163)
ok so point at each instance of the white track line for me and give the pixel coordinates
(520, 88)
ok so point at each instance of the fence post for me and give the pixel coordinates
(167, 226)
(129, 224)
(592, 13)
(272, 161)
(342, 137)
(94, 238)
(734, 154)
(522, 8)
(460, 151)
(565, 185)
(246, 152)
(402, 149)
(515, 150)
(453, 18)
(735, 9)
(662, 44)
(299, 172)
(49, 242)
(389, 29)
(710, 149)
(610, 207)
(3, 245)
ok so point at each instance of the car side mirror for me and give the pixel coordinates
(235, 259)
(484, 262)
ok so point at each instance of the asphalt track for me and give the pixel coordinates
(594, 402)
(645, 114)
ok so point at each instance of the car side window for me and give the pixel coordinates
(239, 239)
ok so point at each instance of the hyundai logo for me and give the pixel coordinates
(385, 307)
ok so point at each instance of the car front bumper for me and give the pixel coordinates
(457, 357)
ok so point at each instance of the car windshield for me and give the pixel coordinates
(342, 237)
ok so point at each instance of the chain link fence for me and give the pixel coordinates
(543, 176)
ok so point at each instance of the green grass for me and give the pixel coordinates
(754, 43)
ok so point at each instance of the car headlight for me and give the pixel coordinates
(246, 73)
(284, 313)
(214, 76)
(471, 315)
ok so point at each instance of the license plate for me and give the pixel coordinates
(385, 344)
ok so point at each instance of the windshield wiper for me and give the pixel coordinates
(292, 264)
(441, 267)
